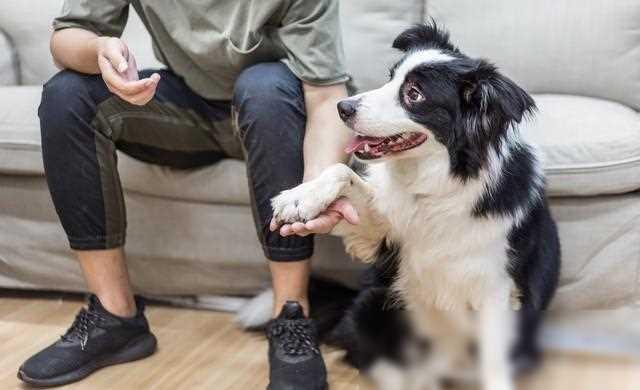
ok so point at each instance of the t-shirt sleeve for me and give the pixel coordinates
(311, 38)
(104, 17)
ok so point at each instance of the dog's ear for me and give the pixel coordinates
(484, 88)
(423, 35)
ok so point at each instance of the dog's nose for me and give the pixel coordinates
(346, 108)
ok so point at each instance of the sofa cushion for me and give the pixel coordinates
(590, 146)
(577, 47)
(368, 29)
(20, 131)
(8, 60)
(224, 182)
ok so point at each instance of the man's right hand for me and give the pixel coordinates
(120, 73)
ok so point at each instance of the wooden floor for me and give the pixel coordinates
(203, 350)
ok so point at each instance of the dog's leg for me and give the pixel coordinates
(306, 201)
(496, 333)
(309, 199)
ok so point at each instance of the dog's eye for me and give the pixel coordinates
(414, 95)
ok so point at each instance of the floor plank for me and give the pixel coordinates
(204, 350)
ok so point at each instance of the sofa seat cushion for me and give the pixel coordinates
(224, 182)
(590, 146)
(20, 131)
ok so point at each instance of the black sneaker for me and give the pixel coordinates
(295, 361)
(96, 339)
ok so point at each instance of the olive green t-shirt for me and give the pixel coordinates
(209, 42)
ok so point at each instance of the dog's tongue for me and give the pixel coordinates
(359, 141)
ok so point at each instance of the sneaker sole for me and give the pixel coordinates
(325, 387)
(138, 348)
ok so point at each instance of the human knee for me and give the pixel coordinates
(66, 99)
(269, 103)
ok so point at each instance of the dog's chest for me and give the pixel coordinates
(448, 258)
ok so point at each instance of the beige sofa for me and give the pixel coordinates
(190, 232)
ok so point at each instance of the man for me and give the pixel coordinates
(276, 67)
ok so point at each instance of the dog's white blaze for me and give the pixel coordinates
(379, 112)
(417, 58)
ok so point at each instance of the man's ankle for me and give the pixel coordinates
(121, 306)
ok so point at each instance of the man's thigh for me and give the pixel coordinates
(177, 128)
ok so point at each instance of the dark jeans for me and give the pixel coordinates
(83, 125)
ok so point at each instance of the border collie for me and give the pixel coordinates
(453, 217)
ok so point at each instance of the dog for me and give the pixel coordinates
(454, 220)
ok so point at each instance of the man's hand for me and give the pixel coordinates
(323, 223)
(120, 73)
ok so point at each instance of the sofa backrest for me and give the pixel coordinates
(368, 28)
(589, 48)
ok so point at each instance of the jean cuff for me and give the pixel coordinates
(97, 243)
(288, 254)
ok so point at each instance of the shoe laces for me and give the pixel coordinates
(85, 321)
(296, 336)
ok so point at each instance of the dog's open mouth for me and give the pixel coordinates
(369, 148)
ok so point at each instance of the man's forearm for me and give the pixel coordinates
(326, 135)
(77, 49)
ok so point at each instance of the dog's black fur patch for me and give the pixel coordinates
(468, 104)
(376, 324)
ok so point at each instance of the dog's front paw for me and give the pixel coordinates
(308, 200)
(299, 204)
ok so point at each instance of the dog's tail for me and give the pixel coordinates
(329, 302)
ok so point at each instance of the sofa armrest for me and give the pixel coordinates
(9, 61)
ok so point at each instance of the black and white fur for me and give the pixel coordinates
(465, 253)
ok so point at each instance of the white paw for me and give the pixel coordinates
(302, 203)
(306, 201)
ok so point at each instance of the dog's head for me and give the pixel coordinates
(436, 97)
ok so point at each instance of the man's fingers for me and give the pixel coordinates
(126, 89)
(118, 85)
(116, 53)
(346, 209)
(146, 95)
(131, 73)
(324, 223)
(286, 230)
(299, 229)
(273, 225)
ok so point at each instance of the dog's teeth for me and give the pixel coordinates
(366, 148)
